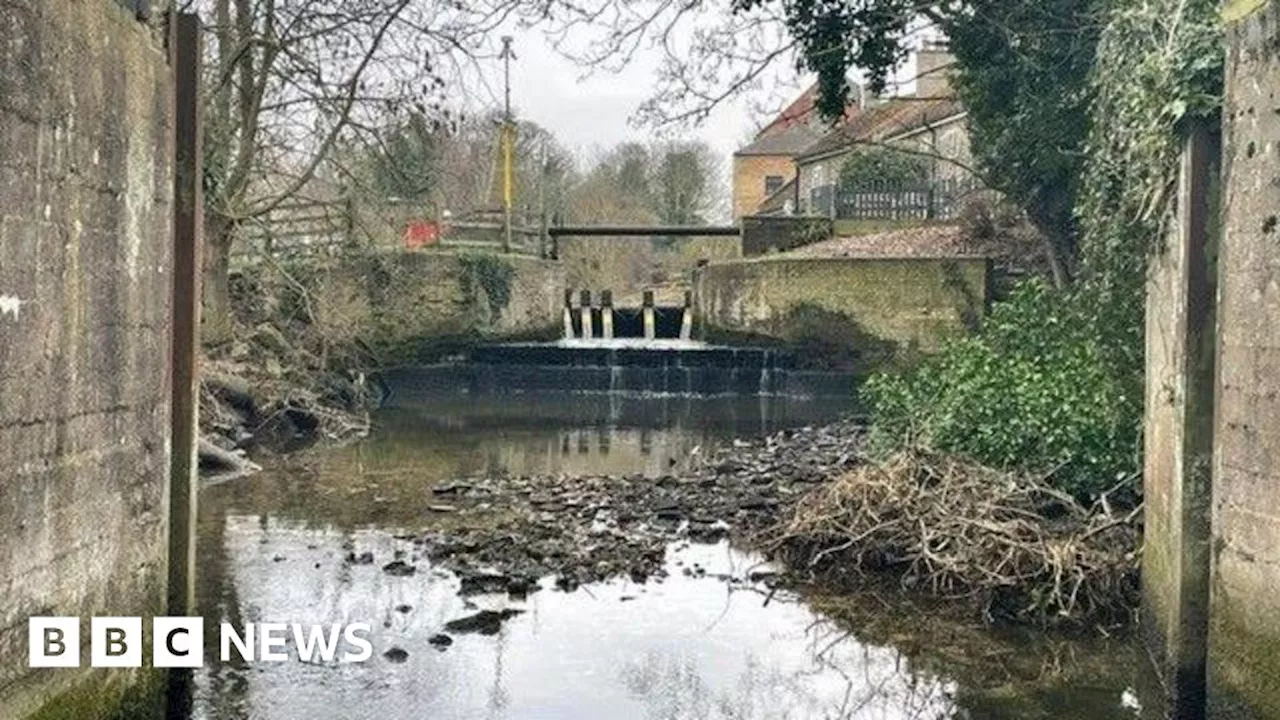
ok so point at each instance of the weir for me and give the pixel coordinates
(622, 365)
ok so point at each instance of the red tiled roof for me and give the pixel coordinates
(883, 121)
(802, 110)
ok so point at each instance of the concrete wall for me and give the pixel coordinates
(405, 305)
(1244, 631)
(749, 172)
(629, 266)
(1178, 433)
(884, 306)
(85, 255)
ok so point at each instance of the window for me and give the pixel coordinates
(772, 184)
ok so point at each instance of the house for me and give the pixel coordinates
(930, 123)
(766, 165)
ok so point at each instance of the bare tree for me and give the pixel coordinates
(289, 82)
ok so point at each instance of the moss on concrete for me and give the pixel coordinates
(110, 695)
(1244, 660)
(870, 309)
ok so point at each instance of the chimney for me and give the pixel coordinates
(933, 70)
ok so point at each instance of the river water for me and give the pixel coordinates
(706, 643)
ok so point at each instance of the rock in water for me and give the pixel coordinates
(399, 568)
(485, 622)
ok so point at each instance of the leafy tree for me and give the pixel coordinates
(1022, 69)
(878, 166)
(404, 159)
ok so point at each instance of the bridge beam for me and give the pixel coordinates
(644, 231)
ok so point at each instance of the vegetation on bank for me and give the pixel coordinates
(1008, 465)
(1053, 382)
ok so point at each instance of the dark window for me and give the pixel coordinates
(772, 183)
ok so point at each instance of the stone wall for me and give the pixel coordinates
(862, 311)
(765, 234)
(1244, 629)
(629, 266)
(85, 242)
(411, 306)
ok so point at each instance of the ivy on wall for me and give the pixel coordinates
(490, 273)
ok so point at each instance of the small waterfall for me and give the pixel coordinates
(766, 373)
(615, 378)
(637, 366)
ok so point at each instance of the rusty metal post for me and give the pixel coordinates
(188, 224)
(188, 220)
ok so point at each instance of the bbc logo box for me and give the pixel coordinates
(115, 642)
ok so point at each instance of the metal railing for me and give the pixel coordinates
(928, 200)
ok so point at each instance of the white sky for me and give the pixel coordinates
(589, 111)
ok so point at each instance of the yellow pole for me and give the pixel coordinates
(508, 132)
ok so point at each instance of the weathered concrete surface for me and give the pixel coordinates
(767, 234)
(888, 306)
(1244, 630)
(404, 306)
(1178, 435)
(629, 266)
(85, 250)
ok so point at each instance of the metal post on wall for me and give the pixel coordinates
(586, 315)
(647, 315)
(188, 222)
(606, 314)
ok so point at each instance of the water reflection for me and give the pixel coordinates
(273, 547)
(691, 647)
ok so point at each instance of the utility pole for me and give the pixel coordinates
(508, 143)
(542, 201)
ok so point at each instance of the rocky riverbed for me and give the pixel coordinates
(503, 534)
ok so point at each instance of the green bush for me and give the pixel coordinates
(1035, 390)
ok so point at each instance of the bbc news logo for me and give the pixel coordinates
(178, 642)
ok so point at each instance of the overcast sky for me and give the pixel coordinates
(593, 111)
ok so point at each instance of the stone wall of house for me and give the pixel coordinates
(864, 312)
(85, 274)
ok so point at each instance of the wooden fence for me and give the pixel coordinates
(303, 227)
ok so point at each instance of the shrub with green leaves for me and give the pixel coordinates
(1032, 391)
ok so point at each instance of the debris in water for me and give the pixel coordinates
(485, 622)
(399, 568)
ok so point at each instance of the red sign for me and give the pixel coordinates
(421, 233)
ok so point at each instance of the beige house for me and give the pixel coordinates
(930, 123)
(766, 165)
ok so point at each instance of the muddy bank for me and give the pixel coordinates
(260, 395)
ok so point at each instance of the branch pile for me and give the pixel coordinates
(1016, 547)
